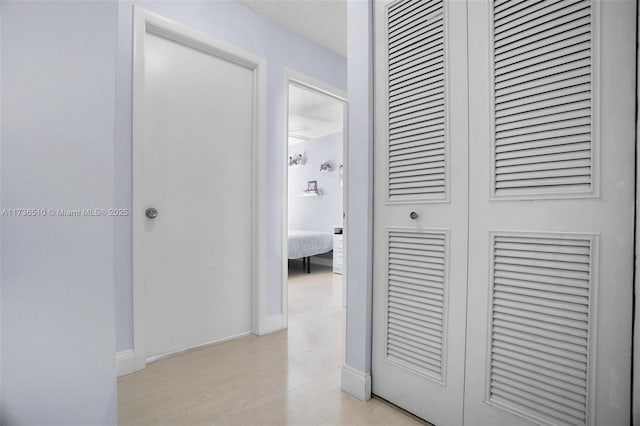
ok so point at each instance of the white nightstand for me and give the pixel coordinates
(337, 253)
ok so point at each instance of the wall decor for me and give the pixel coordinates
(296, 160)
(325, 167)
(312, 189)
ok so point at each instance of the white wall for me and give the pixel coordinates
(58, 79)
(360, 196)
(324, 212)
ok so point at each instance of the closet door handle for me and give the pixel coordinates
(413, 215)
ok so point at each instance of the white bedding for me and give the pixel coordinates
(309, 243)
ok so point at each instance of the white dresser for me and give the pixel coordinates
(337, 253)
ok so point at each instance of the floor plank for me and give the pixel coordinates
(291, 377)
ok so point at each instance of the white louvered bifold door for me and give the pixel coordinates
(551, 143)
(420, 264)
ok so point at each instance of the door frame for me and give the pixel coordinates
(294, 77)
(148, 22)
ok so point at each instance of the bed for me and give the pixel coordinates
(304, 244)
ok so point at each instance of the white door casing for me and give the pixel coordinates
(293, 77)
(198, 158)
(420, 162)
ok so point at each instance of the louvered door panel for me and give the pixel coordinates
(540, 316)
(419, 222)
(417, 152)
(543, 126)
(416, 301)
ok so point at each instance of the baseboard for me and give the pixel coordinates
(196, 347)
(271, 324)
(125, 363)
(356, 383)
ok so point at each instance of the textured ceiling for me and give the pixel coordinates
(321, 21)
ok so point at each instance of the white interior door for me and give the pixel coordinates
(420, 263)
(552, 105)
(197, 173)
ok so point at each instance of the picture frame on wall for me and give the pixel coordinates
(312, 186)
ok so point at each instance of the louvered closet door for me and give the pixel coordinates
(421, 166)
(550, 212)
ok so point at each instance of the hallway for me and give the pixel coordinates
(290, 377)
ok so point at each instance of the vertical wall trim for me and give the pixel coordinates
(359, 172)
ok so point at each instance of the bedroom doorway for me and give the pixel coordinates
(315, 186)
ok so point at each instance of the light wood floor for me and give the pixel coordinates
(287, 378)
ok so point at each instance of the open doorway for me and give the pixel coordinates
(315, 208)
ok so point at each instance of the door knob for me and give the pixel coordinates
(151, 213)
(413, 215)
